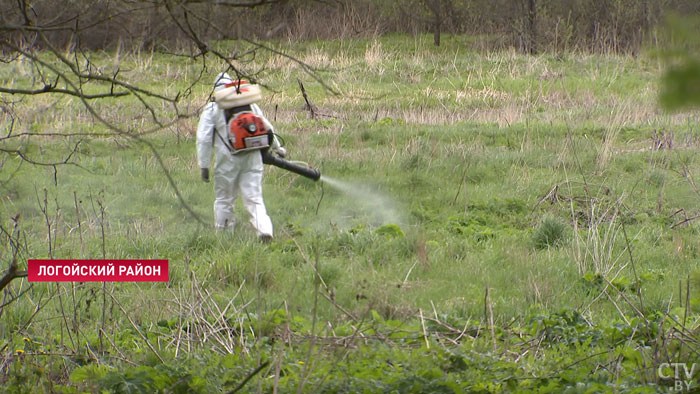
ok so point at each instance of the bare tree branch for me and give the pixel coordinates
(13, 271)
(54, 89)
(68, 135)
(116, 129)
(19, 153)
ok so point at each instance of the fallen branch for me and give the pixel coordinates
(686, 220)
(308, 105)
(250, 376)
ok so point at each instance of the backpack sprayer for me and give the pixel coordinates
(248, 131)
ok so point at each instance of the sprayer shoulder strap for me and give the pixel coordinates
(226, 144)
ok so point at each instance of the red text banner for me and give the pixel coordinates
(97, 270)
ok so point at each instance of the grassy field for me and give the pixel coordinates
(493, 218)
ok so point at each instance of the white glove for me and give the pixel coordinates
(282, 152)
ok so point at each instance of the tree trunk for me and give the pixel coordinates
(436, 31)
(435, 7)
(532, 26)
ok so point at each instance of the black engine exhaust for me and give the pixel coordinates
(308, 172)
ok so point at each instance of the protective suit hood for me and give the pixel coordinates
(221, 80)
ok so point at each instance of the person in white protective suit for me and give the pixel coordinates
(233, 174)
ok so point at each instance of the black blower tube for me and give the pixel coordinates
(308, 172)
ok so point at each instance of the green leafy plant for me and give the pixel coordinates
(551, 232)
(389, 231)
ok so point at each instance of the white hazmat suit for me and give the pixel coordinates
(233, 174)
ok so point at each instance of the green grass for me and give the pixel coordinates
(458, 154)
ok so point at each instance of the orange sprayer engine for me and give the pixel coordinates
(248, 132)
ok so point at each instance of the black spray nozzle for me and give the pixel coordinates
(269, 158)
